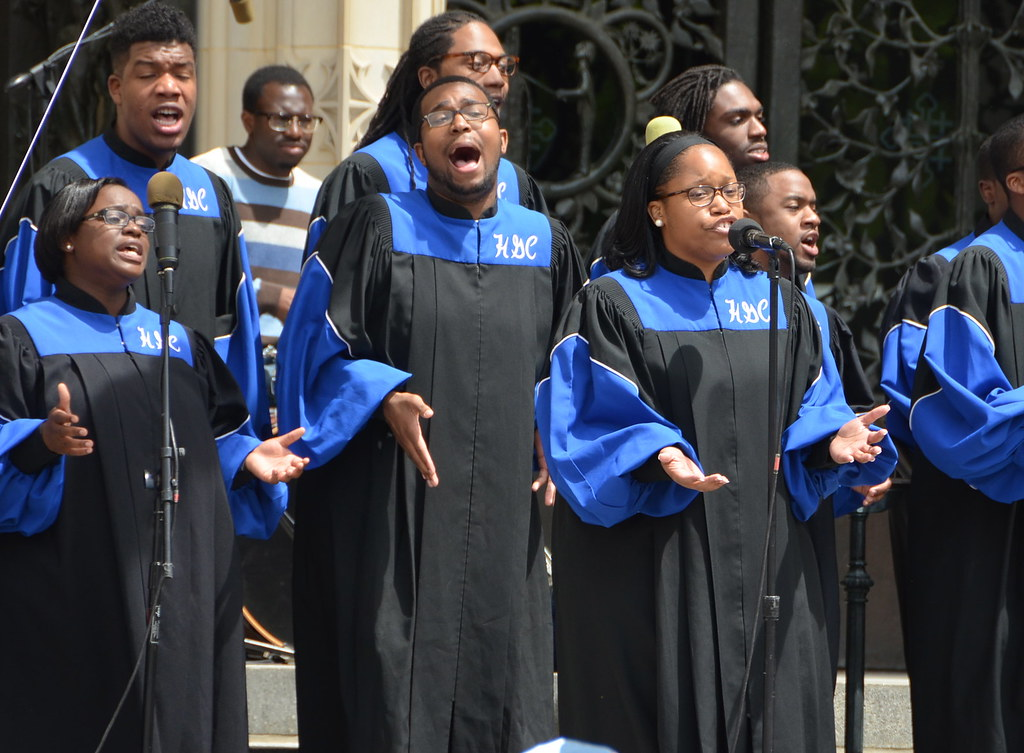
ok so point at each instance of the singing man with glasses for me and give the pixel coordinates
(419, 328)
(273, 194)
(455, 43)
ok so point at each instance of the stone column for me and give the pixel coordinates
(346, 50)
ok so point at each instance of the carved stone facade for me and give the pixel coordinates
(345, 50)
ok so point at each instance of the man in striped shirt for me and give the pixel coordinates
(273, 194)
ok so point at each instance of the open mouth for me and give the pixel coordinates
(759, 152)
(167, 117)
(810, 243)
(131, 250)
(465, 158)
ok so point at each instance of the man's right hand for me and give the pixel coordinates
(403, 411)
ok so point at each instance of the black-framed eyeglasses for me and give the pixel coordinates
(282, 121)
(481, 61)
(119, 218)
(702, 196)
(472, 112)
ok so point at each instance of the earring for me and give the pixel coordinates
(659, 223)
(70, 248)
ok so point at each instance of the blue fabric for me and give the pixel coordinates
(447, 237)
(256, 507)
(58, 327)
(241, 349)
(319, 385)
(901, 349)
(28, 503)
(971, 427)
(596, 431)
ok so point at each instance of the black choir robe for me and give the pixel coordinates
(76, 535)
(656, 586)
(965, 532)
(422, 616)
(389, 165)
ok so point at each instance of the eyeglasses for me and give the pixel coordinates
(282, 121)
(117, 218)
(473, 112)
(702, 196)
(481, 61)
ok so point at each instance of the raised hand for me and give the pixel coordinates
(856, 441)
(273, 462)
(685, 472)
(59, 430)
(403, 412)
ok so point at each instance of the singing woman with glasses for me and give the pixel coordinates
(80, 438)
(654, 418)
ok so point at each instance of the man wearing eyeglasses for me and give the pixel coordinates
(419, 328)
(153, 87)
(273, 194)
(455, 43)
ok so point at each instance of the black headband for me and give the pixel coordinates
(669, 151)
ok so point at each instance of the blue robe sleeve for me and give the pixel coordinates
(967, 415)
(904, 323)
(241, 349)
(328, 379)
(256, 507)
(822, 413)
(595, 426)
(29, 503)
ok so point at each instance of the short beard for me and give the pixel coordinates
(458, 192)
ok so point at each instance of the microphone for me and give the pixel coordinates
(164, 195)
(747, 235)
(242, 11)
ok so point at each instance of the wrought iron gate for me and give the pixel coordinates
(882, 102)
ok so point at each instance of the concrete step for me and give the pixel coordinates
(273, 726)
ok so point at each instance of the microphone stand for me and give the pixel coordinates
(39, 74)
(162, 567)
(771, 602)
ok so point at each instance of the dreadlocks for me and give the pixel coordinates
(429, 42)
(690, 95)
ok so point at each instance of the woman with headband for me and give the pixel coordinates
(655, 424)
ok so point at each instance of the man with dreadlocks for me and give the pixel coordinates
(455, 43)
(711, 100)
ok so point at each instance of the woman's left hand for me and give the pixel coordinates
(273, 462)
(856, 441)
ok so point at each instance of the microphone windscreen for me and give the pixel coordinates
(739, 229)
(659, 126)
(242, 11)
(164, 189)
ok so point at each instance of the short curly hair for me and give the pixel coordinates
(154, 21)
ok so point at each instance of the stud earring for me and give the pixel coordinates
(70, 248)
(659, 223)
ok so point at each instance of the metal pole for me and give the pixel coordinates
(857, 583)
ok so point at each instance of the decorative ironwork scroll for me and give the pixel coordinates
(897, 96)
(577, 110)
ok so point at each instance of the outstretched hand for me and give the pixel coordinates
(271, 461)
(59, 431)
(403, 412)
(685, 472)
(856, 441)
